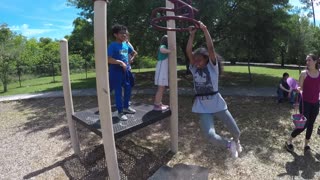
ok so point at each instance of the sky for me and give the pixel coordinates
(316, 9)
(53, 18)
(38, 18)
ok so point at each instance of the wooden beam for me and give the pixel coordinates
(68, 95)
(173, 84)
(103, 90)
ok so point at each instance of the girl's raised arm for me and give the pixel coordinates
(192, 31)
(209, 42)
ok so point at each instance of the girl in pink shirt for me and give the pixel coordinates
(309, 83)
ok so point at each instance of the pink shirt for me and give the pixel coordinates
(311, 89)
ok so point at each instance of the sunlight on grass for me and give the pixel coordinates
(232, 76)
(273, 72)
(261, 76)
(47, 84)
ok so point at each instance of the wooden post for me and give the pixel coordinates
(173, 85)
(103, 91)
(68, 95)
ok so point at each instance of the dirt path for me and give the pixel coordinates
(35, 143)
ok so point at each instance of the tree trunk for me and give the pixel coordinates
(19, 74)
(5, 87)
(282, 58)
(52, 66)
(86, 68)
(313, 14)
(249, 70)
(5, 82)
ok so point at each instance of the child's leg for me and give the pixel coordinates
(115, 84)
(226, 117)
(118, 97)
(159, 94)
(207, 128)
(280, 94)
(127, 92)
(292, 97)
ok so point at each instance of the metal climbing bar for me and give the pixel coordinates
(183, 12)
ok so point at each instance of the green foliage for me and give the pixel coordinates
(144, 62)
(303, 40)
(243, 30)
(232, 76)
(7, 55)
(81, 39)
(76, 62)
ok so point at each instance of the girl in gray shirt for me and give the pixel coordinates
(208, 102)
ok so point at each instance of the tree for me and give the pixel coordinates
(6, 55)
(50, 56)
(81, 42)
(301, 36)
(242, 29)
(19, 43)
(31, 56)
(309, 8)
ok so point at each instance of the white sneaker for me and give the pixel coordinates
(232, 146)
(122, 116)
(239, 147)
(129, 110)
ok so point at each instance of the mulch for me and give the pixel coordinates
(35, 143)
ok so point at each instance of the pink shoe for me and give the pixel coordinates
(164, 106)
(160, 107)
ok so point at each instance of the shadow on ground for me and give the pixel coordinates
(49, 115)
(306, 164)
(135, 162)
(263, 123)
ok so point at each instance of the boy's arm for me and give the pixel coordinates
(209, 42)
(132, 56)
(111, 60)
(192, 31)
(133, 53)
(283, 88)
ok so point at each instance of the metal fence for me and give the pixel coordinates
(22, 73)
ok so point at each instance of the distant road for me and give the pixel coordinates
(274, 65)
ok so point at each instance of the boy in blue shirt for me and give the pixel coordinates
(119, 72)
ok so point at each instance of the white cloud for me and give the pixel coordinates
(89, 20)
(46, 30)
(48, 24)
(30, 32)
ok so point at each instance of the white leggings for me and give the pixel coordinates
(207, 127)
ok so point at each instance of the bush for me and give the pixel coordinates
(76, 62)
(144, 62)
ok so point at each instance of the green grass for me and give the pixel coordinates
(46, 84)
(273, 72)
(232, 76)
(261, 76)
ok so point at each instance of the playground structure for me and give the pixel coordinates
(103, 123)
(183, 13)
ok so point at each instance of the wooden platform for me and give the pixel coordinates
(143, 117)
